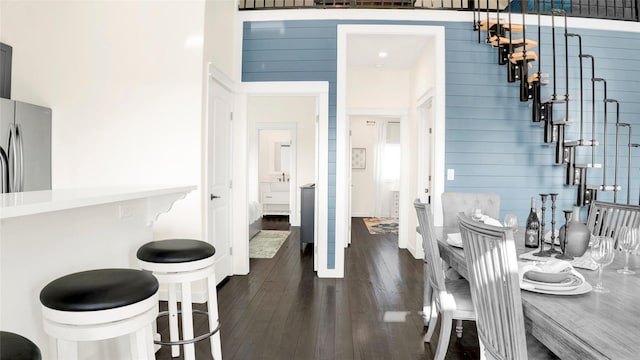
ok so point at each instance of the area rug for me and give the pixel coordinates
(381, 225)
(266, 243)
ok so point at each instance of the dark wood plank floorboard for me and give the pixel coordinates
(282, 310)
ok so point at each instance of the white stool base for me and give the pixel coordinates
(184, 274)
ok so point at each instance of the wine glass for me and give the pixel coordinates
(627, 241)
(476, 214)
(511, 221)
(602, 253)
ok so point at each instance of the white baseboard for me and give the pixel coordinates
(417, 251)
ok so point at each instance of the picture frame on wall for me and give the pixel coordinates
(358, 158)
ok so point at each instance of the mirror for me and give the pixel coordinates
(283, 152)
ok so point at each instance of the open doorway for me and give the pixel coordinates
(375, 169)
(282, 156)
(276, 165)
(387, 69)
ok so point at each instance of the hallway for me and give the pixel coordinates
(281, 310)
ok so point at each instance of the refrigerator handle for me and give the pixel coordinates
(12, 147)
(4, 172)
(20, 147)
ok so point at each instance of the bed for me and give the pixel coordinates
(255, 218)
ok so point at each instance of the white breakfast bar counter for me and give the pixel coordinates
(48, 234)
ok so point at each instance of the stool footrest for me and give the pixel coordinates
(187, 341)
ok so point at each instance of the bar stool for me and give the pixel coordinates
(183, 261)
(101, 304)
(17, 347)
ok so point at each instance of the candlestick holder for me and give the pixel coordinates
(541, 251)
(563, 236)
(552, 250)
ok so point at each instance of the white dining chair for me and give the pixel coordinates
(451, 299)
(605, 218)
(492, 265)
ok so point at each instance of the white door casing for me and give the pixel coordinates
(320, 90)
(435, 34)
(218, 173)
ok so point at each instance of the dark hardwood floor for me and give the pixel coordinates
(281, 310)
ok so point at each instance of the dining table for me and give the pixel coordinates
(592, 325)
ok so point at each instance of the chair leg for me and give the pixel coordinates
(212, 309)
(173, 320)
(141, 344)
(459, 328)
(151, 348)
(426, 301)
(187, 321)
(445, 333)
(432, 322)
(66, 350)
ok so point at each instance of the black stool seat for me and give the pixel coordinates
(100, 289)
(17, 347)
(175, 251)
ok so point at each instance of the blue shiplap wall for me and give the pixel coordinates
(490, 140)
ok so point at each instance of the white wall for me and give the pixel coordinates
(300, 110)
(377, 88)
(269, 141)
(371, 91)
(363, 180)
(220, 35)
(124, 80)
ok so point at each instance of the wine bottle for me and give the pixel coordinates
(532, 232)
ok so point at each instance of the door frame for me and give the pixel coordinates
(215, 75)
(318, 89)
(436, 34)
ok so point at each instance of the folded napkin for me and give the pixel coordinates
(582, 262)
(454, 239)
(550, 266)
(490, 221)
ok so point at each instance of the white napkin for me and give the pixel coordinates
(550, 266)
(454, 239)
(490, 221)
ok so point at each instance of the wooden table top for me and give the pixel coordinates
(588, 326)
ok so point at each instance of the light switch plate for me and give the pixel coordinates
(451, 174)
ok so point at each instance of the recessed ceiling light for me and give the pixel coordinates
(379, 65)
(382, 54)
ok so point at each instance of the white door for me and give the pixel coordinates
(220, 105)
(425, 150)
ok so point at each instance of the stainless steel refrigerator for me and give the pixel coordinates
(25, 146)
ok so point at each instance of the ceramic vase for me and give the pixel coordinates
(578, 235)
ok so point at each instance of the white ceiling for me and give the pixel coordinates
(402, 50)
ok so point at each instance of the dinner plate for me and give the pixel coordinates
(584, 288)
(571, 283)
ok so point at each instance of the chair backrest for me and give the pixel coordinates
(430, 246)
(492, 263)
(607, 218)
(457, 202)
